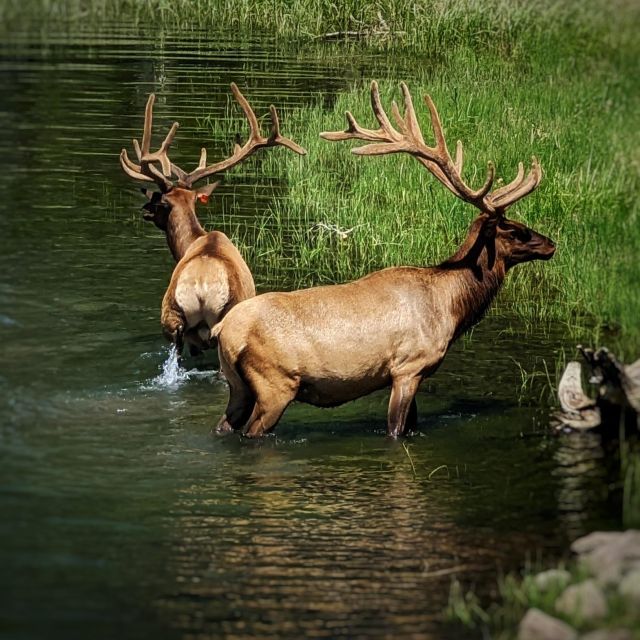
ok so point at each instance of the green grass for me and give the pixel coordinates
(511, 79)
(433, 25)
(579, 116)
(400, 215)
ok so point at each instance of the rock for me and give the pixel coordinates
(608, 634)
(629, 587)
(537, 625)
(594, 540)
(584, 601)
(552, 578)
(609, 555)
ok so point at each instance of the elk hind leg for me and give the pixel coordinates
(402, 405)
(173, 325)
(273, 396)
(241, 402)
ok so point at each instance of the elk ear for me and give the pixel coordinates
(147, 192)
(202, 194)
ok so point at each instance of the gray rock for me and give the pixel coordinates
(585, 601)
(609, 555)
(594, 540)
(537, 625)
(629, 587)
(608, 634)
(552, 578)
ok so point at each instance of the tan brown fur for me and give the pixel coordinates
(329, 345)
(210, 275)
(210, 278)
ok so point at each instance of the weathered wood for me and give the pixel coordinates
(616, 385)
(579, 411)
(572, 397)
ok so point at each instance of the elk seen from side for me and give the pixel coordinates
(332, 344)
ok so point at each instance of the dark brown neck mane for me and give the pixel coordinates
(477, 272)
(183, 228)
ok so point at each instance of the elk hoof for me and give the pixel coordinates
(253, 434)
(223, 427)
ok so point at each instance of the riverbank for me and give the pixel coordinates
(594, 596)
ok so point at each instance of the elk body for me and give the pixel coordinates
(328, 345)
(210, 276)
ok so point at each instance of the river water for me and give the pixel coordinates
(120, 515)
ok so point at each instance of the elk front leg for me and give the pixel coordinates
(402, 405)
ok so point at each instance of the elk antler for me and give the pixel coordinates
(255, 141)
(437, 159)
(146, 170)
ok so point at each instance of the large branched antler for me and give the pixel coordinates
(407, 138)
(148, 172)
(240, 153)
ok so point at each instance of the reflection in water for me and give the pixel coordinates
(582, 479)
(306, 553)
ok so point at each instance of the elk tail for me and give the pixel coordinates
(215, 332)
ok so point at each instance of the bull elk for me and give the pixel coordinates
(328, 345)
(210, 276)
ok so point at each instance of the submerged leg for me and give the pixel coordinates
(179, 341)
(241, 402)
(265, 415)
(273, 392)
(239, 409)
(402, 405)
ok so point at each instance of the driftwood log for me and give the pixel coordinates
(617, 387)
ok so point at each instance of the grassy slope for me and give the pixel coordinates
(567, 94)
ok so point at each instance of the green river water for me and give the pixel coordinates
(120, 515)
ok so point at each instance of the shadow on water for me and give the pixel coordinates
(122, 515)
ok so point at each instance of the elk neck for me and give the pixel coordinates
(183, 228)
(474, 273)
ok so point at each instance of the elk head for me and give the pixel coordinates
(172, 209)
(159, 205)
(503, 241)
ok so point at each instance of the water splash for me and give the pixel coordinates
(173, 374)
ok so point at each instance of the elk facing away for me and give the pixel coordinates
(328, 345)
(211, 276)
